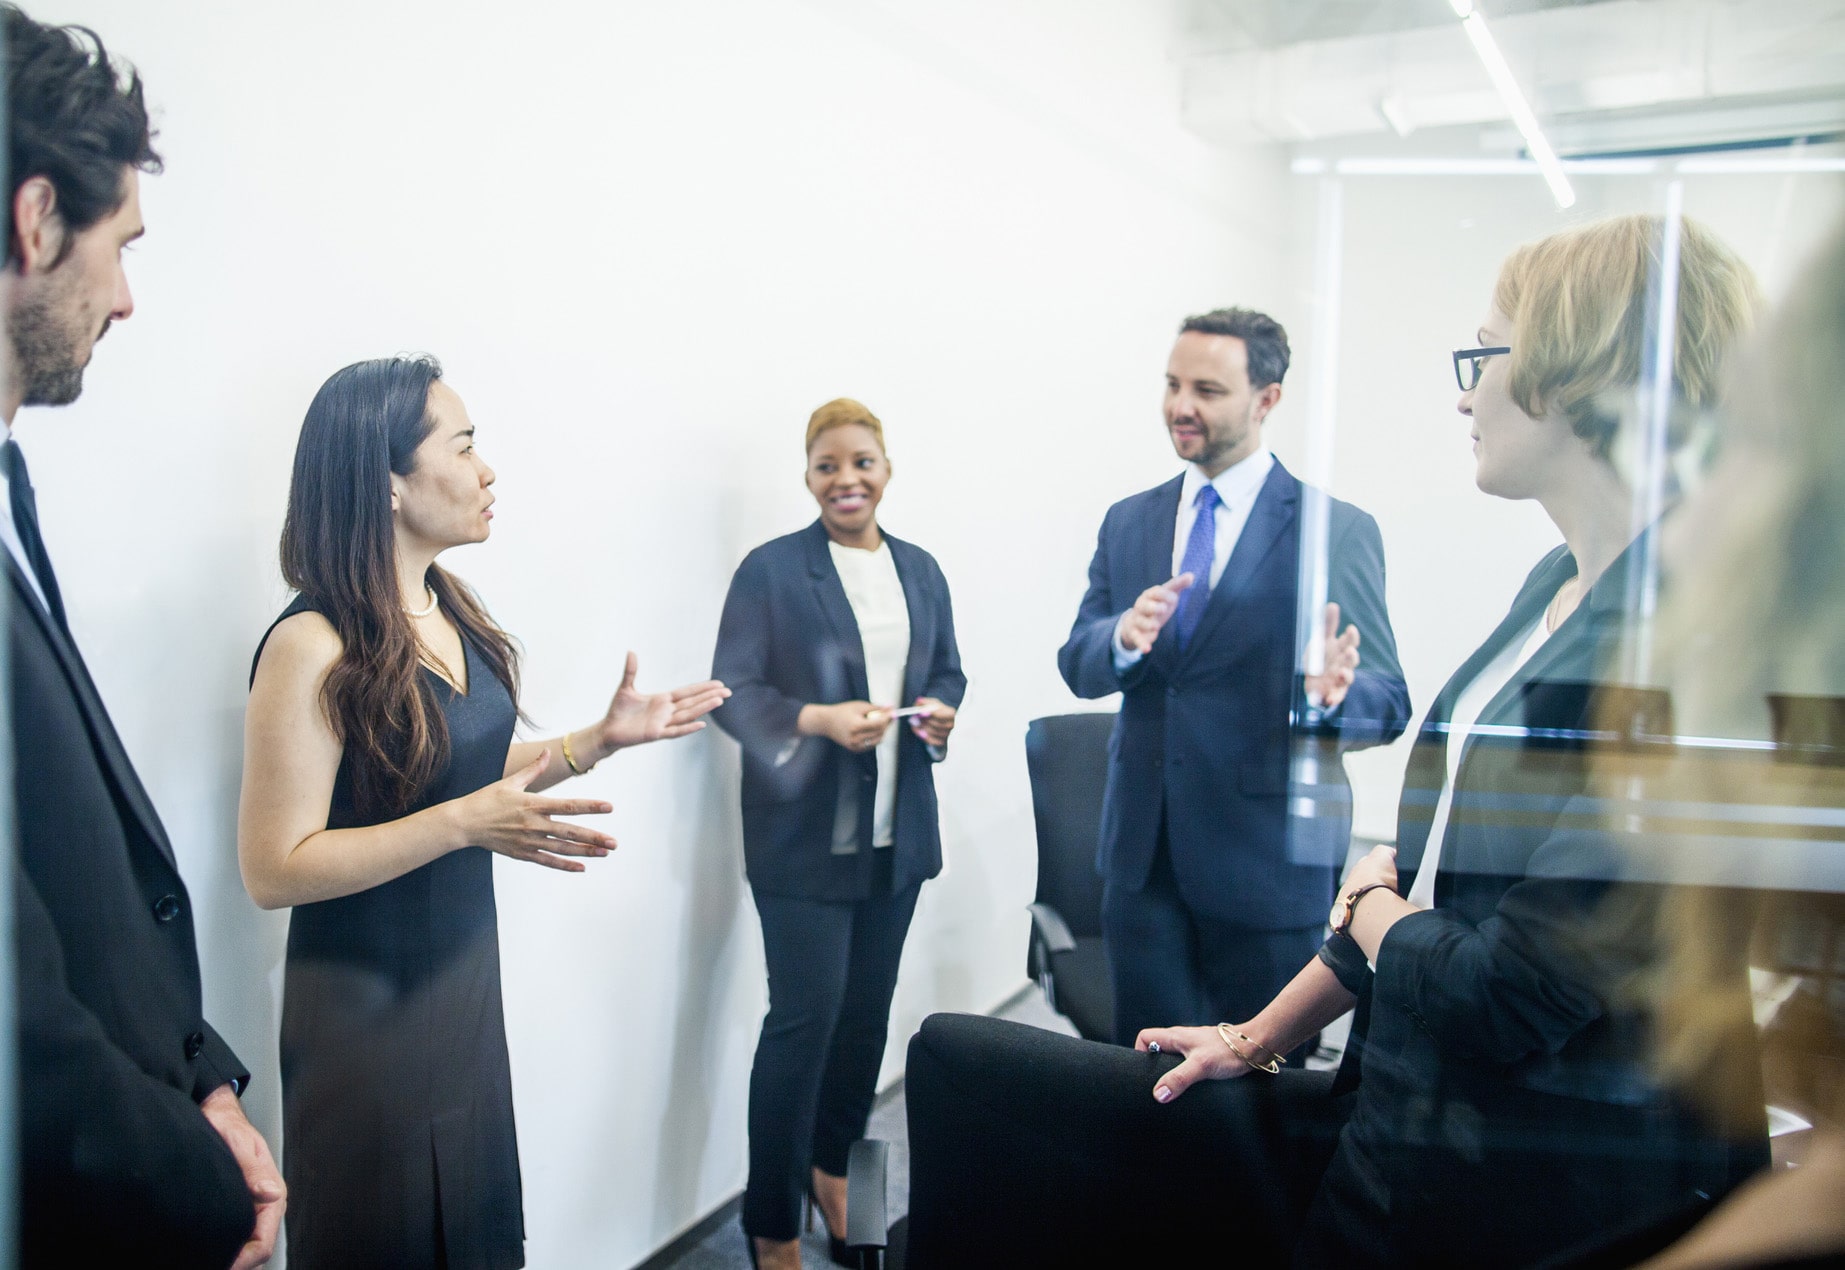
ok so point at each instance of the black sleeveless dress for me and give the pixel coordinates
(398, 1143)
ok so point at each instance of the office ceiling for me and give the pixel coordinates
(1233, 25)
(1605, 76)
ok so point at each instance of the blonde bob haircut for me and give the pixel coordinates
(838, 413)
(1580, 301)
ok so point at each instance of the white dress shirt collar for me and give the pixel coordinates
(1237, 485)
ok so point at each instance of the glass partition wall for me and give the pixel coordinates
(1631, 790)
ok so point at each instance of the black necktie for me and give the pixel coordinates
(25, 519)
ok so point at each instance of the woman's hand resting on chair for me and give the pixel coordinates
(1207, 1057)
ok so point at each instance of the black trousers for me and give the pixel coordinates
(832, 970)
(1172, 967)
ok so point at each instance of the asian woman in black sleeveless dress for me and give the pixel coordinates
(380, 771)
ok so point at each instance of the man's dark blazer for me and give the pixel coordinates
(787, 639)
(1509, 1005)
(1206, 734)
(118, 1166)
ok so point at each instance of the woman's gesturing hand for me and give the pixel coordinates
(506, 818)
(1207, 1057)
(636, 717)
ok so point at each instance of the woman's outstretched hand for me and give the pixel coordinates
(1207, 1057)
(637, 717)
(506, 818)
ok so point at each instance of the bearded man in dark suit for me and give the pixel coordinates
(134, 1149)
(1215, 887)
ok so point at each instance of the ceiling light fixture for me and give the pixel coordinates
(1516, 105)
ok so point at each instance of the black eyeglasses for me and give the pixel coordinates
(1467, 364)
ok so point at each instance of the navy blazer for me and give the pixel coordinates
(114, 1050)
(1210, 736)
(788, 639)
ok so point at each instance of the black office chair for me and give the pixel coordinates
(1067, 757)
(1031, 1148)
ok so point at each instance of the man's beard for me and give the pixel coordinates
(49, 351)
(1217, 445)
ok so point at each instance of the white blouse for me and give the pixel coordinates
(1474, 698)
(883, 615)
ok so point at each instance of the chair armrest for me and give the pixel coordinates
(1049, 928)
(866, 1170)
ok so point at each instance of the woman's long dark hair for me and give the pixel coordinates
(339, 551)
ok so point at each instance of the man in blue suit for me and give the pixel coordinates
(1216, 882)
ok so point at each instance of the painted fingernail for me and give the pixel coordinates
(1162, 1094)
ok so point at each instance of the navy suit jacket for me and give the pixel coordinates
(787, 639)
(114, 1051)
(1209, 736)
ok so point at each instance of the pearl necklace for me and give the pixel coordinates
(427, 609)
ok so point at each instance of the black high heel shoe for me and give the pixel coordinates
(836, 1249)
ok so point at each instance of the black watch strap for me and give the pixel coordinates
(1349, 902)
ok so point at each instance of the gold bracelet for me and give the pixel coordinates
(1272, 1067)
(1250, 1040)
(571, 759)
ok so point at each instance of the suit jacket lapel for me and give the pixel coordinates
(1526, 606)
(1579, 632)
(108, 745)
(1275, 512)
(831, 596)
(922, 621)
(1157, 532)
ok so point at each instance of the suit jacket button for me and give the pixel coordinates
(195, 1045)
(166, 908)
(1171, 691)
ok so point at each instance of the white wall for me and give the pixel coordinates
(1420, 256)
(646, 240)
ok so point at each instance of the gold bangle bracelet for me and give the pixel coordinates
(1272, 1067)
(1250, 1040)
(571, 759)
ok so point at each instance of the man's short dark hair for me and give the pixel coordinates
(73, 117)
(1263, 337)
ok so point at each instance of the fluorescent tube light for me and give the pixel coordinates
(1515, 103)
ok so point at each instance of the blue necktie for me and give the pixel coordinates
(1199, 549)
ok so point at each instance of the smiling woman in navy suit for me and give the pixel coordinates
(826, 632)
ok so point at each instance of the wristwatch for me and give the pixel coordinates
(1342, 910)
